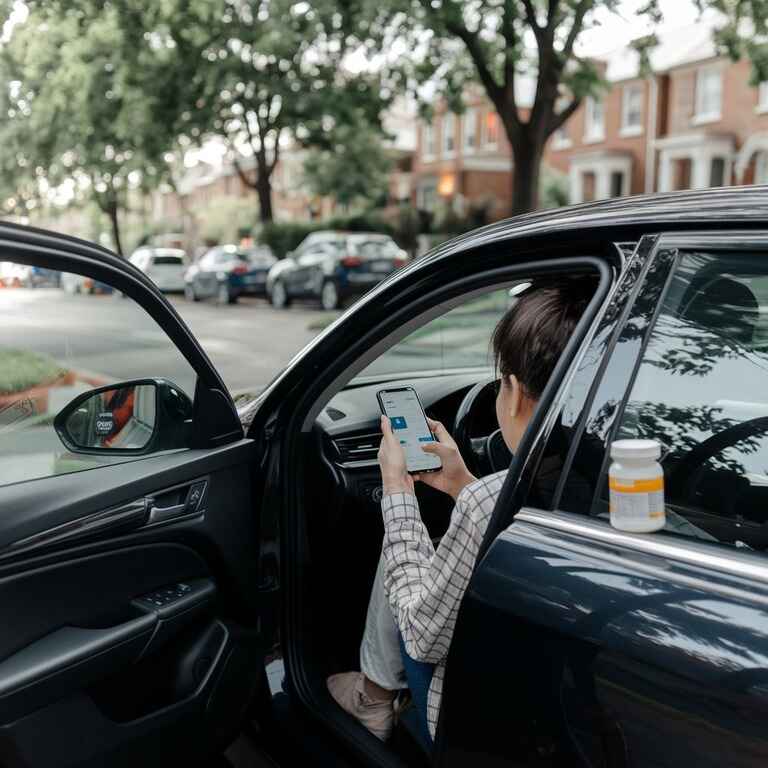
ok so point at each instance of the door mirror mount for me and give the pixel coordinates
(132, 417)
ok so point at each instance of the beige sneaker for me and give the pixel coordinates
(347, 690)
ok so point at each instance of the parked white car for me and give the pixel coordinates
(164, 266)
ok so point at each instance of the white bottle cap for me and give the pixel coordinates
(635, 449)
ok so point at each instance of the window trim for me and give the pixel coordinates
(428, 127)
(449, 118)
(762, 98)
(713, 116)
(469, 118)
(691, 552)
(626, 129)
(592, 136)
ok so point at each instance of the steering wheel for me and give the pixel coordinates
(683, 478)
(482, 453)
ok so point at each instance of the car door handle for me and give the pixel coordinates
(157, 514)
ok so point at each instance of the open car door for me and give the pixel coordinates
(128, 523)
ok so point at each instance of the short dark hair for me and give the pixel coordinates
(530, 338)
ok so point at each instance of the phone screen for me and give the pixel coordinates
(409, 425)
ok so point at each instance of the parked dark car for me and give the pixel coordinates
(227, 272)
(165, 602)
(334, 266)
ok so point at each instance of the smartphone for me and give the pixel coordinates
(409, 424)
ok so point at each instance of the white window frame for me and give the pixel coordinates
(707, 113)
(761, 167)
(628, 91)
(449, 120)
(762, 97)
(428, 141)
(469, 128)
(594, 132)
(486, 142)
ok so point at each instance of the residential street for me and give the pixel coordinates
(110, 337)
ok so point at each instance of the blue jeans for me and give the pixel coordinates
(419, 676)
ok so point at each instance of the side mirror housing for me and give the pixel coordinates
(132, 417)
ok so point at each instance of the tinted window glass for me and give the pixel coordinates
(165, 260)
(702, 391)
(63, 335)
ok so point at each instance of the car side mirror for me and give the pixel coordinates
(133, 417)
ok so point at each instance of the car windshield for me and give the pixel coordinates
(458, 339)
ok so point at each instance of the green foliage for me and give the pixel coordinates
(554, 189)
(225, 220)
(286, 236)
(76, 121)
(20, 370)
(353, 171)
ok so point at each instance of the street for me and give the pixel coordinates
(109, 337)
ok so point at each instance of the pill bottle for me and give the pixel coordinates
(636, 486)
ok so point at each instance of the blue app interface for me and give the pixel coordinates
(410, 428)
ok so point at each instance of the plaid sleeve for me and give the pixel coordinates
(425, 586)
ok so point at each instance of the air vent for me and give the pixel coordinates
(361, 448)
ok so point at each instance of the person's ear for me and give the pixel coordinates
(515, 395)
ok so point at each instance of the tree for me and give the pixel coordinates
(353, 170)
(76, 125)
(259, 75)
(498, 43)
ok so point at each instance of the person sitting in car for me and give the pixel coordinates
(418, 587)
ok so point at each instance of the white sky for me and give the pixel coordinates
(619, 29)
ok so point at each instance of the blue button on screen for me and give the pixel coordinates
(427, 439)
(398, 422)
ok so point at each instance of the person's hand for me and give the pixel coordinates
(454, 475)
(394, 472)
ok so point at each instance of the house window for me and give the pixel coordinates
(617, 184)
(761, 168)
(632, 110)
(717, 172)
(709, 94)
(469, 130)
(490, 130)
(449, 134)
(427, 140)
(762, 96)
(426, 196)
(595, 120)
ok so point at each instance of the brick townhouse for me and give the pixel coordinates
(695, 122)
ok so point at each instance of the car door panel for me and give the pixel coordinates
(613, 654)
(132, 631)
(92, 634)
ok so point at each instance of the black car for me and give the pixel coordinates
(227, 272)
(334, 266)
(191, 575)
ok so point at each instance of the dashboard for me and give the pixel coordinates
(347, 437)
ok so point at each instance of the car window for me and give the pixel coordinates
(458, 339)
(64, 339)
(376, 248)
(702, 391)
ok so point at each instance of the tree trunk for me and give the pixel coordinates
(525, 176)
(113, 220)
(264, 191)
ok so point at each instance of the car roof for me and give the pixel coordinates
(627, 218)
